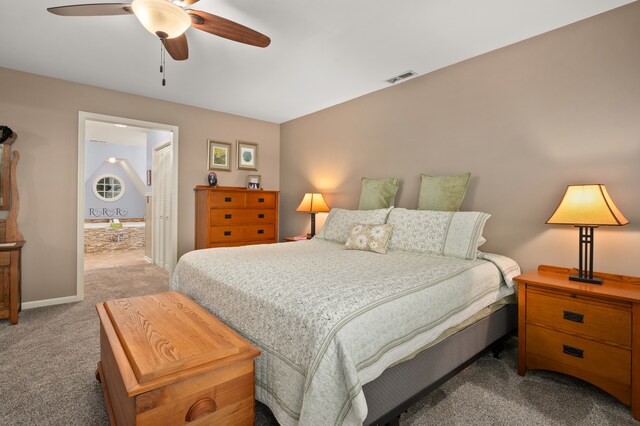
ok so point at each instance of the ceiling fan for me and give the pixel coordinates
(169, 21)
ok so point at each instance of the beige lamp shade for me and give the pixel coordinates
(587, 205)
(161, 17)
(313, 203)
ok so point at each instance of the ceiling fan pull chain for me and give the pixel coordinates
(163, 67)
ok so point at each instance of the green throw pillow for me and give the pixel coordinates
(443, 193)
(378, 193)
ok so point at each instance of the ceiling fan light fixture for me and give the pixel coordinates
(161, 17)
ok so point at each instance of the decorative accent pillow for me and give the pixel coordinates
(454, 234)
(369, 237)
(378, 193)
(443, 193)
(339, 222)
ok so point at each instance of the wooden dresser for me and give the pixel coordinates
(164, 360)
(11, 239)
(229, 216)
(10, 270)
(584, 330)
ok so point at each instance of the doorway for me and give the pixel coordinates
(127, 194)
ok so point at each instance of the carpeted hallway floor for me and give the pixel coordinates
(47, 365)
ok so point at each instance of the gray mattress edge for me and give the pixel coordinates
(399, 384)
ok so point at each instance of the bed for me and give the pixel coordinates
(337, 327)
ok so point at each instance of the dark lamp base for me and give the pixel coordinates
(594, 280)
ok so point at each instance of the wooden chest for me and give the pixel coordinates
(164, 360)
(228, 216)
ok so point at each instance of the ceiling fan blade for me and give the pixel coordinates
(177, 47)
(222, 27)
(95, 9)
(188, 2)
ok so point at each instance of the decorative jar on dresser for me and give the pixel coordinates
(584, 330)
(230, 216)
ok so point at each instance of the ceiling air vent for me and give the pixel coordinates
(403, 76)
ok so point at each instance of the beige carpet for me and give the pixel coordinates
(47, 365)
(114, 259)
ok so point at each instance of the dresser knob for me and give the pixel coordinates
(201, 408)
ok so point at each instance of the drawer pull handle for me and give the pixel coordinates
(227, 232)
(261, 216)
(227, 199)
(573, 316)
(260, 231)
(261, 200)
(570, 350)
(201, 408)
(227, 216)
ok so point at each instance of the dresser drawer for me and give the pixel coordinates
(593, 319)
(222, 234)
(224, 199)
(242, 216)
(607, 367)
(261, 200)
(4, 291)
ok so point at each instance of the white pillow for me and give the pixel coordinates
(454, 234)
(339, 222)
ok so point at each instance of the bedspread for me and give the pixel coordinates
(329, 320)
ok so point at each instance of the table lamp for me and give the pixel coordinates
(587, 207)
(313, 203)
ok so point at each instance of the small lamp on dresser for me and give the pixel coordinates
(313, 203)
(587, 207)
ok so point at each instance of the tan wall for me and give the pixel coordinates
(44, 113)
(526, 120)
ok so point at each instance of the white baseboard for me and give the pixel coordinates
(51, 302)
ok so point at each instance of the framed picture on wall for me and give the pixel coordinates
(219, 155)
(247, 155)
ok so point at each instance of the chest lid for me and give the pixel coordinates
(166, 333)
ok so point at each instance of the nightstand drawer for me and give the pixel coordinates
(597, 320)
(607, 367)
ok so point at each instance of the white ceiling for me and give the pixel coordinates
(110, 133)
(322, 52)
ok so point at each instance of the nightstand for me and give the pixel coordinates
(584, 330)
(296, 238)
